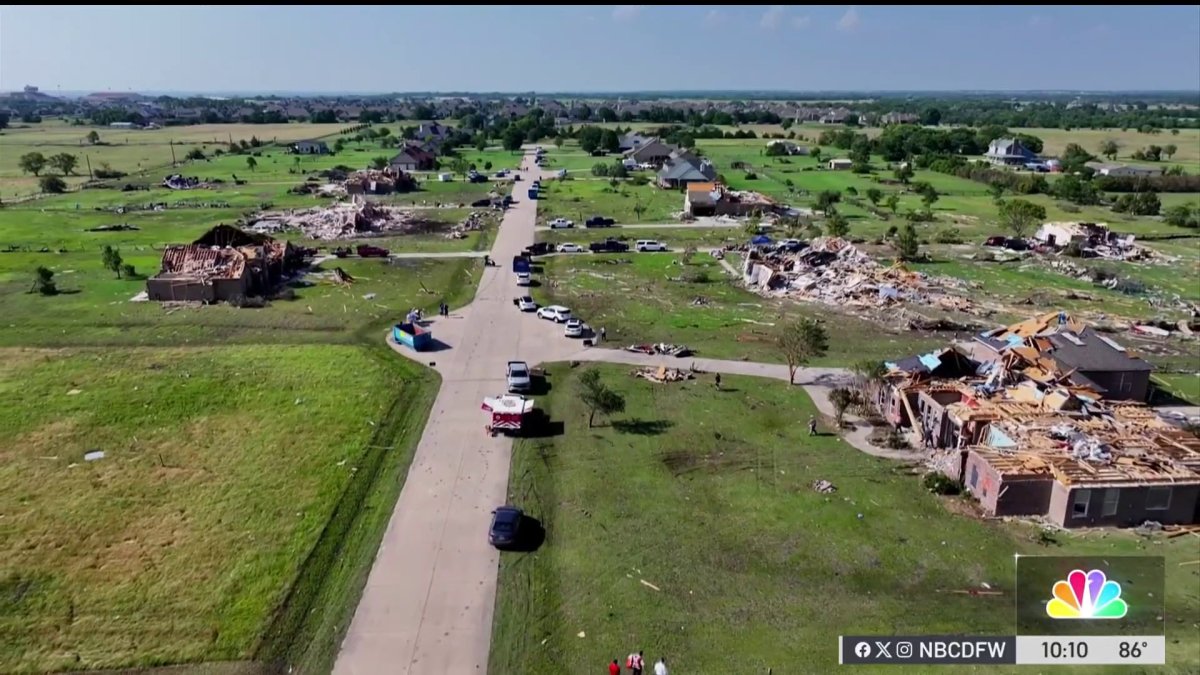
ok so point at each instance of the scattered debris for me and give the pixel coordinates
(74, 392)
(342, 277)
(119, 227)
(1093, 240)
(700, 301)
(369, 296)
(823, 486)
(179, 182)
(650, 585)
(343, 220)
(663, 374)
(581, 634)
(93, 455)
(660, 348)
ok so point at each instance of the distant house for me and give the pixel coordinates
(686, 168)
(632, 140)
(840, 164)
(838, 116)
(310, 148)
(432, 132)
(898, 118)
(413, 157)
(651, 151)
(1009, 152)
(1104, 169)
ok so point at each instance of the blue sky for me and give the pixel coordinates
(599, 48)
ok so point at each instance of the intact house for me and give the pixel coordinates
(413, 157)
(714, 199)
(433, 133)
(224, 264)
(840, 164)
(310, 148)
(1105, 169)
(1009, 152)
(632, 141)
(652, 151)
(684, 168)
(898, 118)
(1015, 419)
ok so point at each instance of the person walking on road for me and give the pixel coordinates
(660, 668)
(614, 668)
(812, 426)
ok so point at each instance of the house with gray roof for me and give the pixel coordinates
(1009, 152)
(632, 141)
(652, 151)
(680, 171)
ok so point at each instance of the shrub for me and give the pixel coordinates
(695, 276)
(128, 271)
(1129, 286)
(949, 236)
(940, 484)
(52, 185)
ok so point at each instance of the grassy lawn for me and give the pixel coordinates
(706, 495)
(188, 540)
(635, 299)
(579, 200)
(675, 237)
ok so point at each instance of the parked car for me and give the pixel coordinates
(518, 376)
(556, 313)
(650, 245)
(506, 525)
(524, 279)
(599, 221)
(563, 223)
(525, 303)
(539, 248)
(573, 328)
(570, 248)
(368, 251)
(608, 246)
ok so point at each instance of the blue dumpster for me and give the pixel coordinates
(412, 336)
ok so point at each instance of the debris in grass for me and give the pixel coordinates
(649, 585)
(660, 348)
(369, 296)
(581, 634)
(824, 486)
(663, 374)
(73, 392)
(93, 455)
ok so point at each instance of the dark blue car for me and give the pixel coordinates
(506, 523)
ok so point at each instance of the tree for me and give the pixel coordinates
(1074, 157)
(480, 142)
(43, 282)
(827, 198)
(893, 202)
(1183, 215)
(600, 169)
(836, 225)
(929, 196)
(609, 141)
(32, 162)
(689, 252)
(1109, 149)
(513, 138)
(868, 372)
(904, 173)
(251, 162)
(93, 137)
(1169, 150)
(590, 139)
(64, 162)
(194, 154)
(638, 209)
(815, 153)
(111, 259)
(558, 141)
(997, 192)
(383, 132)
(597, 396)
(874, 195)
(52, 185)
(931, 117)
(618, 170)
(460, 166)
(1019, 216)
(129, 271)
(907, 243)
(841, 398)
(487, 166)
(801, 341)
(380, 163)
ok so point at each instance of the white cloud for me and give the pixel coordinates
(849, 20)
(714, 18)
(772, 17)
(627, 12)
(801, 22)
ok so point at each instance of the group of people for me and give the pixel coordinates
(443, 309)
(636, 664)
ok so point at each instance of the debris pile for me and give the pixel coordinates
(343, 220)
(660, 348)
(178, 182)
(374, 182)
(1093, 240)
(663, 374)
(474, 221)
(823, 486)
(833, 271)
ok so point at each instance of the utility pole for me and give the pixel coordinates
(88, 159)
(171, 142)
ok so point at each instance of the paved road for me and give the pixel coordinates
(428, 602)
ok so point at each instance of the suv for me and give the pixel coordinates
(608, 246)
(650, 245)
(556, 313)
(518, 376)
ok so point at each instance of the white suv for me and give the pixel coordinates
(556, 313)
(650, 245)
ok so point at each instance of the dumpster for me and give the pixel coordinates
(412, 336)
(533, 193)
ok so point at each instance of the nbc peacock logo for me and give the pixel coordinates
(1087, 595)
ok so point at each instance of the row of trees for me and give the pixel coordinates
(36, 162)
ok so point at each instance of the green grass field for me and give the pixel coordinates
(579, 200)
(638, 298)
(221, 470)
(706, 495)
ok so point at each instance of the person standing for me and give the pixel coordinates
(614, 668)
(636, 663)
(812, 426)
(660, 668)
(717, 380)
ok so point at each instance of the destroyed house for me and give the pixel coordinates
(714, 199)
(223, 264)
